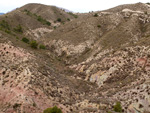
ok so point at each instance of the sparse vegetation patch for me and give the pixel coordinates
(59, 19)
(54, 109)
(68, 19)
(25, 40)
(4, 25)
(34, 44)
(99, 26)
(42, 46)
(95, 15)
(39, 18)
(117, 107)
(18, 29)
(16, 105)
(44, 21)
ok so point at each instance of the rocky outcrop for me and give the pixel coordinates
(38, 33)
(20, 88)
(126, 68)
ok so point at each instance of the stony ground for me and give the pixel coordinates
(85, 68)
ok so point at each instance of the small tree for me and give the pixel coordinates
(68, 19)
(59, 19)
(42, 47)
(16, 105)
(48, 23)
(99, 26)
(18, 29)
(54, 27)
(54, 109)
(109, 112)
(39, 18)
(24, 39)
(95, 15)
(34, 44)
(4, 24)
(117, 107)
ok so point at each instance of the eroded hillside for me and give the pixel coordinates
(86, 64)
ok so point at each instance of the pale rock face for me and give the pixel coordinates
(69, 49)
(14, 82)
(129, 10)
(86, 104)
(38, 33)
(99, 78)
(106, 13)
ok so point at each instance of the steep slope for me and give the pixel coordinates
(34, 20)
(108, 30)
(111, 50)
(33, 80)
(51, 13)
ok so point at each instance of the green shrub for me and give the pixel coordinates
(39, 18)
(25, 10)
(109, 112)
(95, 15)
(18, 29)
(99, 26)
(34, 44)
(34, 104)
(43, 21)
(68, 19)
(59, 19)
(54, 27)
(75, 16)
(8, 31)
(4, 24)
(48, 23)
(28, 12)
(24, 39)
(55, 109)
(42, 46)
(16, 105)
(117, 107)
